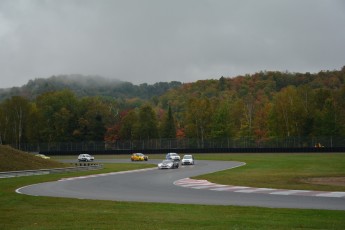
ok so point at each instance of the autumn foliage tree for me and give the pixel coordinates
(14, 120)
(198, 118)
(261, 107)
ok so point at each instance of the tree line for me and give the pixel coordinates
(261, 106)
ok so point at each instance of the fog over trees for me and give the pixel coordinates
(260, 106)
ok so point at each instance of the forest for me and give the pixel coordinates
(261, 107)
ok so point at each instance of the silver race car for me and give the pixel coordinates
(168, 164)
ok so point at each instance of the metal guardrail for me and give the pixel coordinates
(49, 171)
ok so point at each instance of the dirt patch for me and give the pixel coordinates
(338, 181)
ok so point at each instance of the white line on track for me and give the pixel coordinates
(106, 174)
(204, 184)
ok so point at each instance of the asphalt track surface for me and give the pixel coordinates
(155, 185)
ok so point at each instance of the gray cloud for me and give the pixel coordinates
(161, 40)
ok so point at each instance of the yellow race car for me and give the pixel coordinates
(139, 157)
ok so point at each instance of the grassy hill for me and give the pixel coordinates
(13, 160)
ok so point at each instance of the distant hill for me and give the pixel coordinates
(269, 82)
(262, 106)
(88, 86)
(15, 160)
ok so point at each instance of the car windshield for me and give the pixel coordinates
(173, 154)
(187, 157)
(166, 162)
(140, 154)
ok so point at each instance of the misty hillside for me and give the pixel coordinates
(263, 106)
(269, 82)
(88, 86)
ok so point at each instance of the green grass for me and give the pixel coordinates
(29, 212)
(285, 171)
(14, 160)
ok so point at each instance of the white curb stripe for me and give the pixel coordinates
(256, 190)
(332, 194)
(106, 174)
(288, 192)
(204, 184)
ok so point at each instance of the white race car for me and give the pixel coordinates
(85, 157)
(173, 156)
(187, 160)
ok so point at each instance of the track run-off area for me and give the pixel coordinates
(176, 186)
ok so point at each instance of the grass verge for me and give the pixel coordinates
(28, 212)
(12, 160)
(60, 213)
(285, 171)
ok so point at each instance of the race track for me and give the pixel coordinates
(154, 185)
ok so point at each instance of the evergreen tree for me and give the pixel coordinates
(147, 123)
(169, 129)
(129, 125)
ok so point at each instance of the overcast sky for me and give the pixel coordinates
(148, 41)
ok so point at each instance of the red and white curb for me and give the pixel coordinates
(106, 174)
(204, 184)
